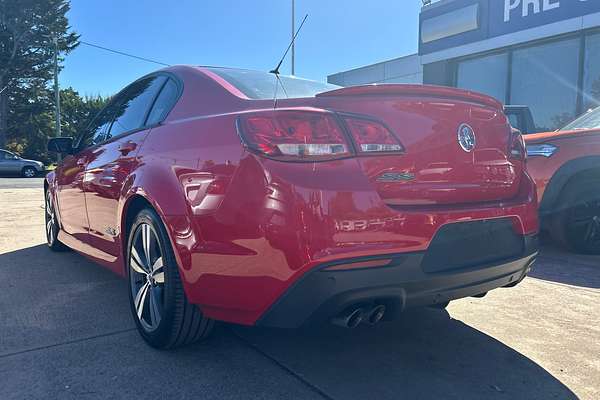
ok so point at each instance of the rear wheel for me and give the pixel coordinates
(164, 317)
(578, 226)
(52, 225)
(28, 172)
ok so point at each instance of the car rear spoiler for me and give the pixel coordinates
(414, 90)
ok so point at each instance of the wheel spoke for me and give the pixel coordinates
(146, 233)
(158, 264)
(159, 277)
(136, 266)
(581, 221)
(140, 299)
(589, 232)
(49, 227)
(157, 271)
(136, 257)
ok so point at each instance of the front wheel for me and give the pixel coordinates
(29, 172)
(162, 313)
(52, 225)
(578, 227)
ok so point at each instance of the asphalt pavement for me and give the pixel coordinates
(66, 332)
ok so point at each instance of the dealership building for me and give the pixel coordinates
(541, 53)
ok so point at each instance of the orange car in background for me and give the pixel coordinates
(565, 165)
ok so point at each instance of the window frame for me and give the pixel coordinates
(8, 153)
(581, 35)
(117, 97)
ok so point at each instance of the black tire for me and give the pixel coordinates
(577, 226)
(28, 172)
(52, 224)
(164, 317)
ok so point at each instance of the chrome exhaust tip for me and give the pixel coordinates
(376, 314)
(350, 319)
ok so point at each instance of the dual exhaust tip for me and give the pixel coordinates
(355, 316)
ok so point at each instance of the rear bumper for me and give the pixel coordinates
(321, 294)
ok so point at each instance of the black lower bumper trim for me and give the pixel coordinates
(322, 294)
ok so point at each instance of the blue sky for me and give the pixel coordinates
(338, 35)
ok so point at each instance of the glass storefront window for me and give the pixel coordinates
(544, 77)
(591, 72)
(486, 74)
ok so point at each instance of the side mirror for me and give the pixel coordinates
(61, 145)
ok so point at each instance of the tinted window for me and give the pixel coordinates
(97, 130)
(164, 102)
(2, 155)
(514, 120)
(486, 75)
(261, 85)
(591, 73)
(547, 83)
(589, 120)
(133, 104)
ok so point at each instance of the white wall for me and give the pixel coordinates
(399, 70)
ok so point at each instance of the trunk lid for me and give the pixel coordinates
(435, 168)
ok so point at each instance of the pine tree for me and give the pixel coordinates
(29, 30)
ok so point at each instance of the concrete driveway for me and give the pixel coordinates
(66, 332)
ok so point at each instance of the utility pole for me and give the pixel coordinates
(56, 88)
(293, 32)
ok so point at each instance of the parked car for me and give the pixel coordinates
(521, 118)
(219, 201)
(566, 167)
(12, 164)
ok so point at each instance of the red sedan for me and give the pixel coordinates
(219, 201)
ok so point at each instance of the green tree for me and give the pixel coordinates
(77, 112)
(29, 32)
(31, 119)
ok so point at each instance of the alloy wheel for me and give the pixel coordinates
(584, 224)
(29, 172)
(147, 277)
(50, 219)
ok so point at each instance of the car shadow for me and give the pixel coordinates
(66, 320)
(426, 354)
(557, 265)
(48, 297)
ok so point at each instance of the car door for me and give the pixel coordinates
(111, 163)
(3, 162)
(70, 174)
(10, 163)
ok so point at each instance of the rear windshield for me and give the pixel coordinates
(261, 85)
(589, 120)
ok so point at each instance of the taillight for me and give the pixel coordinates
(516, 148)
(294, 135)
(371, 136)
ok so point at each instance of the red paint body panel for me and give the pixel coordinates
(245, 228)
(572, 145)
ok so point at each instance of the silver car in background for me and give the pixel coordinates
(11, 164)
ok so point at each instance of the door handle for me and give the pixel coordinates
(127, 147)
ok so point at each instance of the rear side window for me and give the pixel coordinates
(2, 155)
(132, 106)
(163, 104)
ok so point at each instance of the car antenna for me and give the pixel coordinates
(276, 70)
